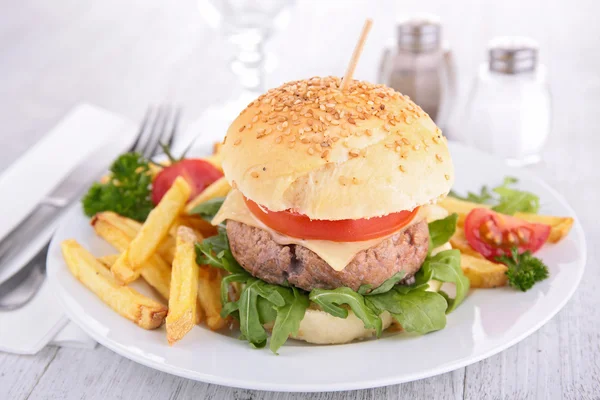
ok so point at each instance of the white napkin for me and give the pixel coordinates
(83, 129)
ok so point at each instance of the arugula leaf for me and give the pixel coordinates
(225, 282)
(445, 267)
(505, 200)
(388, 283)
(214, 251)
(483, 197)
(384, 287)
(266, 311)
(524, 270)
(512, 201)
(441, 230)
(416, 310)
(127, 192)
(250, 324)
(330, 301)
(289, 316)
(208, 209)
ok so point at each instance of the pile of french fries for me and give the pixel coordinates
(484, 273)
(161, 252)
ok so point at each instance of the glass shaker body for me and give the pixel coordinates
(508, 115)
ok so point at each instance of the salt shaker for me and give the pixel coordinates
(417, 65)
(509, 109)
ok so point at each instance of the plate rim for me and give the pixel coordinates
(332, 387)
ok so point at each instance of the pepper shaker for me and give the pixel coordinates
(417, 65)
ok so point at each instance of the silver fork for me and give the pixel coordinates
(159, 126)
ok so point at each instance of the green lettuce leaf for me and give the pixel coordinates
(505, 200)
(416, 310)
(208, 209)
(445, 267)
(215, 251)
(289, 316)
(384, 287)
(250, 325)
(330, 301)
(441, 230)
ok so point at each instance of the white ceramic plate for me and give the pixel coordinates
(487, 322)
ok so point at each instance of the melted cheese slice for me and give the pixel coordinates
(336, 254)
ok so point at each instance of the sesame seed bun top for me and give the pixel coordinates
(363, 152)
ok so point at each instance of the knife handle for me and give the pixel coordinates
(45, 214)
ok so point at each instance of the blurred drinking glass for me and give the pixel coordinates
(509, 109)
(247, 24)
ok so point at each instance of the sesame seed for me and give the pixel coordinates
(401, 168)
(242, 128)
(249, 126)
(311, 151)
(355, 180)
(278, 139)
(254, 174)
(325, 154)
(354, 153)
(343, 181)
(237, 142)
(439, 158)
(447, 177)
(405, 141)
(255, 118)
(416, 147)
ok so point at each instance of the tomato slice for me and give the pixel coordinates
(492, 234)
(346, 230)
(198, 173)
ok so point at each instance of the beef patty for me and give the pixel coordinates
(260, 255)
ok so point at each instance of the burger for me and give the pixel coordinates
(326, 235)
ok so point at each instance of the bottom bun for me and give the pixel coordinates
(319, 327)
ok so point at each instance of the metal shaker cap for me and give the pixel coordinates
(419, 33)
(513, 54)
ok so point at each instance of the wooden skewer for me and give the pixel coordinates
(356, 54)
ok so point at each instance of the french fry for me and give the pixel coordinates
(483, 273)
(461, 207)
(184, 287)
(167, 247)
(209, 294)
(154, 230)
(129, 303)
(218, 188)
(216, 158)
(559, 226)
(155, 271)
(108, 260)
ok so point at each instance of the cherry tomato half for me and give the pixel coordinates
(198, 173)
(346, 230)
(493, 234)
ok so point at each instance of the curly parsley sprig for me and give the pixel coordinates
(524, 270)
(127, 191)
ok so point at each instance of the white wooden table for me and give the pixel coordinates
(123, 55)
